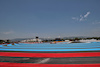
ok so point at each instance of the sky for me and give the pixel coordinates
(49, 18)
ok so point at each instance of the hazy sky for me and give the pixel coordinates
(49, 18)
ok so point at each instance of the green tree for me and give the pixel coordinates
(2, 41)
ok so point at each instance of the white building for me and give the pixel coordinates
(88, 40)
(31, 40)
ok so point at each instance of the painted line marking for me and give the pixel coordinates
(16, 54)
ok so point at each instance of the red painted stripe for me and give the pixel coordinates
(7, 64)
(16, 54)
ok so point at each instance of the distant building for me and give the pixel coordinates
(32, 40)
(88, 40)
(37, 39)
(67, 40)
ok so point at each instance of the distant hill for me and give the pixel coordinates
(19, 39)
(74, 37)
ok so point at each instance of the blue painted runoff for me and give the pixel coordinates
(93, 46)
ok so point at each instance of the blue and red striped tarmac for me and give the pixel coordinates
(51, 59)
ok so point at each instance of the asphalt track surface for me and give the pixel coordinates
(66, 60)
(84, 58)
